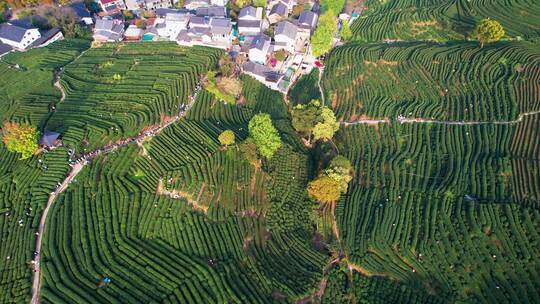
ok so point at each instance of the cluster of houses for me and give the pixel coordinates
(254, 37)
(18, 35)
(21, 35)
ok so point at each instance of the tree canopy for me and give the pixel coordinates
(326, 128)
(332, 181)
(489, 31)
(305, 116)
(322, 38)
(324, 189)
(264, 134)
(346, 33)
(20, 138)
(226, 138)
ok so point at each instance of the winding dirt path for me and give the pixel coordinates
(77, 167)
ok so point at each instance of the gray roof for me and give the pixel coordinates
(249, 23)
(248, 11)
(260, 42)
(162, 12)
(211, 11)
(45, 36)
(4, 48)
(118, 28)
(103, 24)
(49, 138)
(279, 9)
(307, 18)
(221, 26)
(12, 32)
(261, 70)
(199, 31)
(286, 28)
(177, 17)
(80, 9)
(199, 21)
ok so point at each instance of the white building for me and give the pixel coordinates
(171, 26)
(259, 47)
(17, 36)
(250, 20)
(285, 36)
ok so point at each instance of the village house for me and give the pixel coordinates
(134, 5)
(171, 26)
(49, 140)
(263, 74)
(307, 21)
(155, 4)
(285, 36)
(111, 7)
(48, 37)
(18, 36)
(221, 29)
(108, 30)
(82, 13)
(250, 20)
(133, 33)
(208, 31)
(258, 48)
(288, 3)
(278, 12)
(198, 21)
(211, 11)
(5, 49)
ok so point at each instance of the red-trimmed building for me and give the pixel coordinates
(111, 7)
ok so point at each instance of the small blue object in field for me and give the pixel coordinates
(106, 280)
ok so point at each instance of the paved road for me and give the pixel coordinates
(76, 168)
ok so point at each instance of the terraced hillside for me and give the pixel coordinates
(450, 208)
(444, 20)
(207, 238)
(456, 82)
(115, 90)
(27, 90)
(28, 94)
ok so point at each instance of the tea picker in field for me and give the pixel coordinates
(104, 282)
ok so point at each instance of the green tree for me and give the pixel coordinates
(323, 37)
(259, 3)
(341, 161)
(226, 138)
(340, 175)
(280, 55)
(327, 127)
(242, 3)
(346, 33)
(249, 150)
(226, 66)
(324, 189)
(489, 31)
(264, 134)
(305, 116)
(20, 138)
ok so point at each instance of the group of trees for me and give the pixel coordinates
(314, 121)
(331, 182)
(323, 37)
(20, 138)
